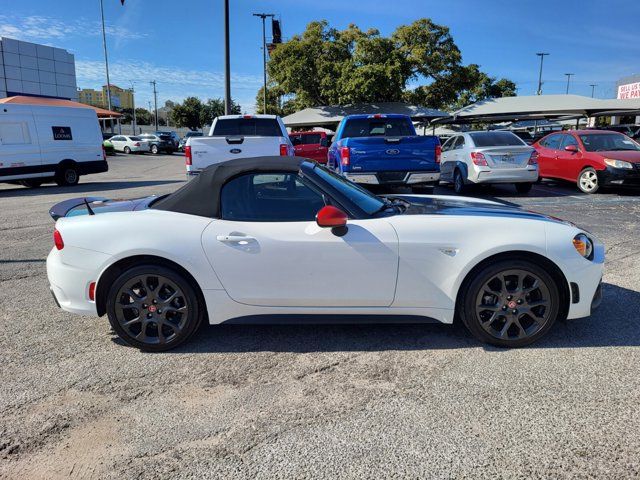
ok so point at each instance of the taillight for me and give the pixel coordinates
(284, 149)
(247, 117)
(438, 153)
(92, 291)
(533, 159)
(57, 240)
(345, 156)
(104, 154)
(187, 155)
(478, 159)
(137, 144)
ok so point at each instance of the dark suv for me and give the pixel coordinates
(159, 143)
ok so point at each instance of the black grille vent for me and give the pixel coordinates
(386, 177)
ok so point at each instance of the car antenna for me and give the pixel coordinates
(89, 209)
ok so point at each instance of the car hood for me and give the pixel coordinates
(98, 205)
(426, 205)
(632, 157)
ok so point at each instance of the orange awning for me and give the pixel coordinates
(58, 102)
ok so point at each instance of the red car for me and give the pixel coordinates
(313, 145)
(591, 158)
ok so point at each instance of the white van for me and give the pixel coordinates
(41, 143)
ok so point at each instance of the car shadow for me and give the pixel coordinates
(82, 188)
(615, 323)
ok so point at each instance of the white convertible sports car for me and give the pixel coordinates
(286, 237)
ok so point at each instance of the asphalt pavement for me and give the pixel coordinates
(360, 401)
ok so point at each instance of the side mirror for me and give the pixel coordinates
(334, 218)
(571, 148)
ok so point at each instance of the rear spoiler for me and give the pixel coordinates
(61, 209)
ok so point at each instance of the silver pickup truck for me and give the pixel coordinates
(238, 136)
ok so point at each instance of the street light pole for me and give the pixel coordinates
(593, 89)
(541, 55)
(106, 61)
(133, 107)
(263, 16)
(227, 63)
(155, 102)
(569, 75)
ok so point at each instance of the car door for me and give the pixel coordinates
(548, 150)
(267, 249)
(311, 146)
(118, 142)
(19, 145)
(569, 164)
(447, 159)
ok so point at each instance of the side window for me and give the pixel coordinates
(459, 143)
(448, 144)
(295, 139)
(569, 140)
(14, 133)
(269, 197)
(553, 142)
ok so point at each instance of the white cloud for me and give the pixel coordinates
(38, 28)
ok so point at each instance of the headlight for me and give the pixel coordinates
(612, 162)
(583, 245)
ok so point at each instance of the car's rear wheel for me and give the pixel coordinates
(523, 187)
(127, 150)
(458, 183)
(510, 303)
(153, 308)
(588, 180)
(67, 175)
(154, 149)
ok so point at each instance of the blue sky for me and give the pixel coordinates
(179, 44)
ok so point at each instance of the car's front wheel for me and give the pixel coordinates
(510, 303)
(153, 308)
(588, 180)
(524, 187)
(127, 150)
(154, 149)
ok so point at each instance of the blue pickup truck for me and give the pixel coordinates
(385, 150)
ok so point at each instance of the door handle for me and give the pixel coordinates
(240, 239)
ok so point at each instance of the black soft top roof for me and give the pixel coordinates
(201, 196)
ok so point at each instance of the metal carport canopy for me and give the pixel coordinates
(535, 107)
(330, 116)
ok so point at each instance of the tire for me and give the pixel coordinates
(32, 183)
(169, 152)
(523, 188)
(154, 149)
(483, 301)
(67, 175)
(127, 150)
(152, 286)
(588, 181)
(458, 183)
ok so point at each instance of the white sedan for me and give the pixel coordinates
(129, 144)
(285, 236)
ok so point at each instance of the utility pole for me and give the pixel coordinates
(155, 102)
(106, 62)
(263, 16)
(569, 75)
(227, 62)
(133, 107)
(541, 55)
(593, 89)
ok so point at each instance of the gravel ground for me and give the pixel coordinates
(313, 401)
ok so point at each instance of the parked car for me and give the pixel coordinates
(631, 131)
(473, 158)
(385, 150)
(183, 140)
(174, 136)
(313, 145)
(159, 143)
(523, 135)
(41, 143)
(129, 144)
(590, 158)
(286, 227)
(108, 147)
(238, 136)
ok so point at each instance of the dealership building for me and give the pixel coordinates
(30, 69)
(628, 88)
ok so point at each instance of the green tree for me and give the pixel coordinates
(143, 116)
(188, 114)
(326, 66)
(277, 103)
(214, 107)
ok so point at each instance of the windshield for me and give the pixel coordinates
(367, 201)
(607, 142)
(378, 127)
(496, 139)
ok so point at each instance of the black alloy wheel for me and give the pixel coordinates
(511, 303)
(153, 308)
(458, 183)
